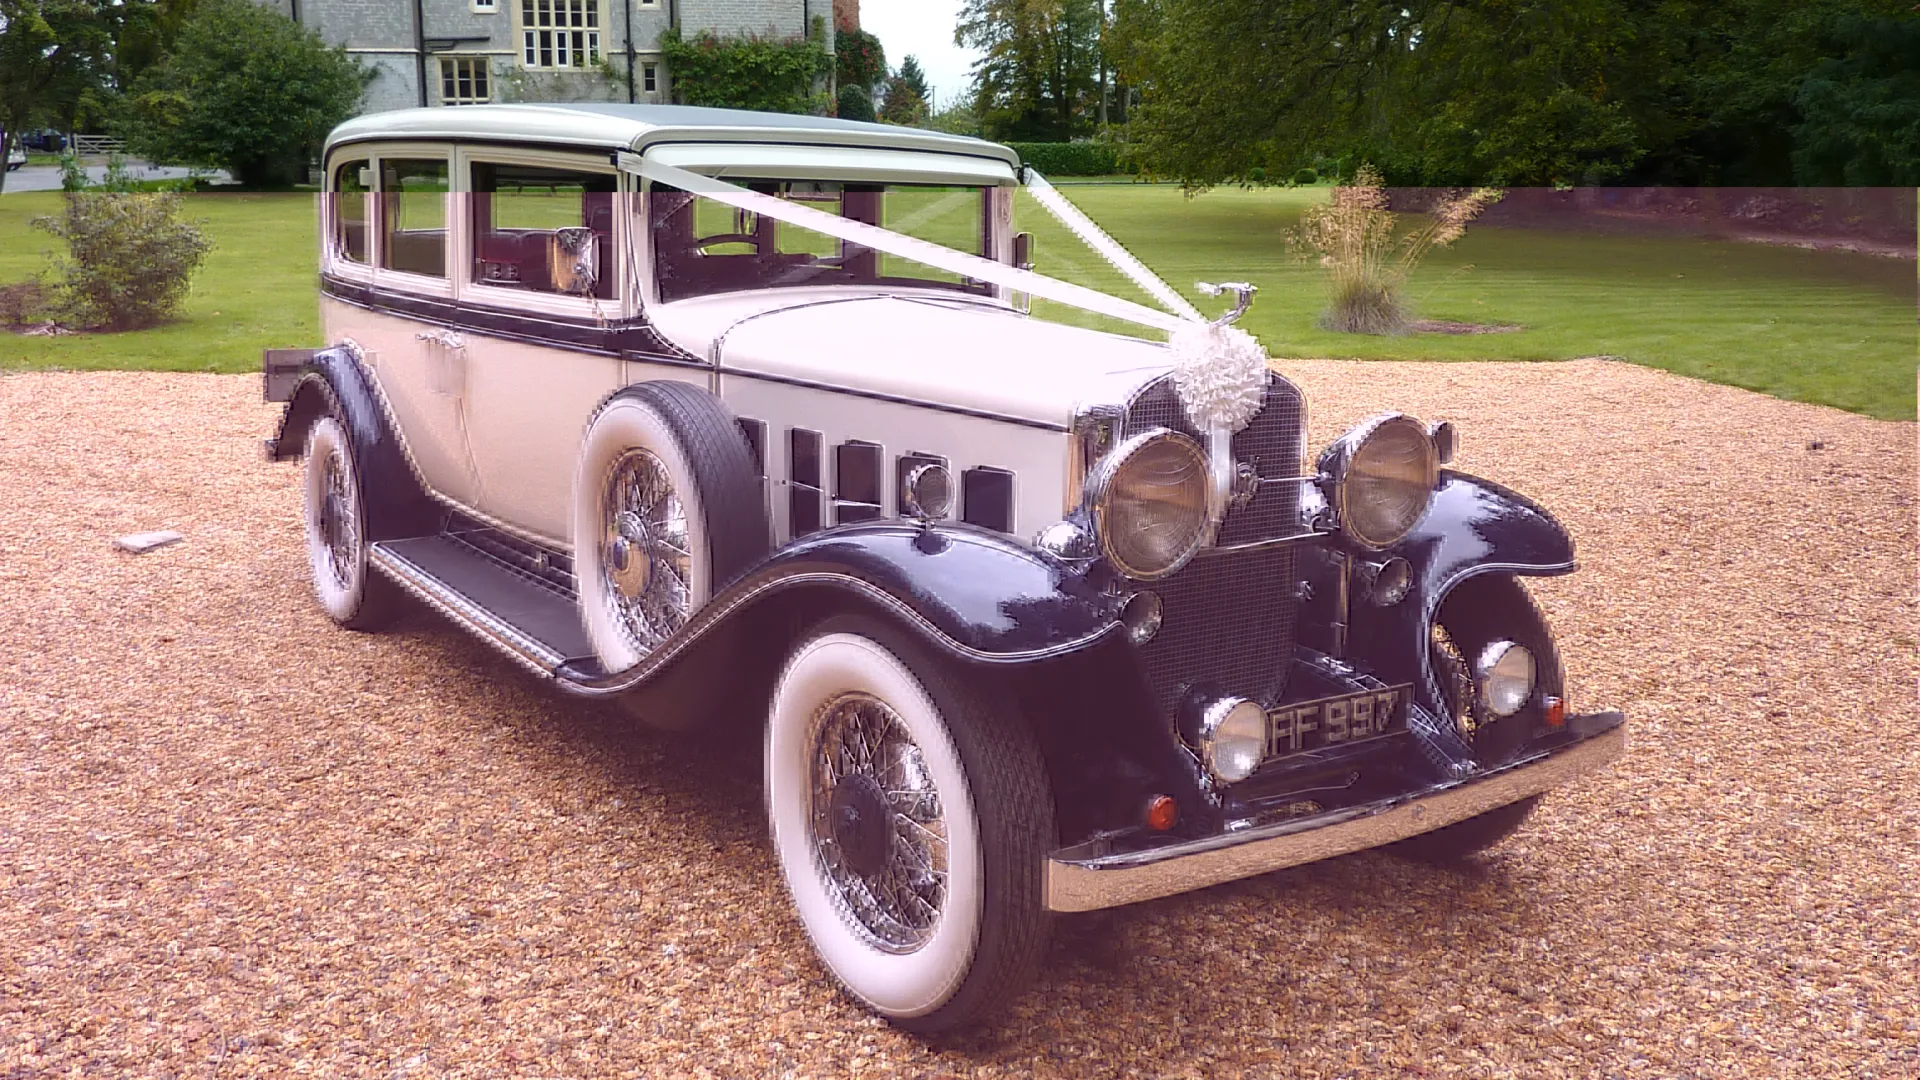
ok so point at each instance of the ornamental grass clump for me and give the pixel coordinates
(1368, 262)
(130, 259)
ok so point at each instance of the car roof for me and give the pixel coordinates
(636, 127)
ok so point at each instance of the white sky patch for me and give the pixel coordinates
(922, 29)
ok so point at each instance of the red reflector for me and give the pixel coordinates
(1556, 712)
(1162, 813)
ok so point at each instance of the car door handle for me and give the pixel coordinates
(444, 338)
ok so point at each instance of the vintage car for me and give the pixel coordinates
(748, 421)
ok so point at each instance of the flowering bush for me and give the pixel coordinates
(1354, 237)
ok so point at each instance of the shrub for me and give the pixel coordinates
(244, 89)
(1306, 178)
(1071, 159)
(855, 104)
(858, 59)
(23, 303)
(1256, 175)
(130, 259)
(1354, 237)
(745, 72)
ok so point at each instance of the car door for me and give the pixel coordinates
(541, 288)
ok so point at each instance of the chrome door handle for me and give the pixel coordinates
(445, 338)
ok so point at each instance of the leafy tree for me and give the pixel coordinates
(246, 90)
(746, 72)
(1038, 77)
(1489, 91)
(956, 119)
(50, 56)
(1861, 110)
(903, 104)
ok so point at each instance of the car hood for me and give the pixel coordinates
(924, 347)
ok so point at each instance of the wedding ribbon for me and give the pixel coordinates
(1092, 235)
(907, 247)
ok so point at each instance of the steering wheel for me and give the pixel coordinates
(702, 243)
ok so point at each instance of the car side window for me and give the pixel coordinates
(414, 215)
(352, 239)
(543, 229)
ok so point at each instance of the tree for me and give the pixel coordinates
(858, 60)
(916, 79)
(1038, 75)
(903, 102)
(1861, 110)
(50, 56)
(854, 104)
(1450, 92)
(246, 90)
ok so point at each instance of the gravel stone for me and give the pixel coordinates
(236, 841)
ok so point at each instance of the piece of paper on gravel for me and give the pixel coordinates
(141, 543)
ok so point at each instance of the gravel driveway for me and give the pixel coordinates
(235, 841)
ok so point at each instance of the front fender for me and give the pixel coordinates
(1472, 527)
(333, 382)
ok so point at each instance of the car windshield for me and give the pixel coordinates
(701, 246)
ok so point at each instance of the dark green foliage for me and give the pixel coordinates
(1038, 77)
(1305, 177)
(52, 56)
(1256, 175)
(746, 72)
(858, 59)
(1071, 159)
(911, 74)
(903, 105)
(130, 259)
(854, 104)
(1522, 92)
(1861, 111)
(246, 90)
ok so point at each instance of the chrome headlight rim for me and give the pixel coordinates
(1099, 490)
(1235, 718)
(1336, 466)
(1506, 675)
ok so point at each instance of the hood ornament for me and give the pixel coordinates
(1221, 375)
(1242, 295)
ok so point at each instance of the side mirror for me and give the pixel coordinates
(1023, 250)
(573, 260)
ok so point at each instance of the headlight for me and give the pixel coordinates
(1384, 472)
(1233, 737)
(1149, 499)
(1506, 676)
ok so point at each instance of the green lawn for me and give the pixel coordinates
(1829, 327)
(255, 291)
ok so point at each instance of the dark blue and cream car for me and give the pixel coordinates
(753, 422)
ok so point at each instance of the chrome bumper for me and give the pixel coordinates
(1079, 880)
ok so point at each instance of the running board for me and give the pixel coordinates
(522, 616)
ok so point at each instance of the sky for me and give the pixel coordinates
(924, 30)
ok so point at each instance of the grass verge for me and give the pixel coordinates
(1830, 327)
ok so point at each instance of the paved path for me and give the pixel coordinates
(47, 177)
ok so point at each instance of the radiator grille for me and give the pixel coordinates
(1228, 619)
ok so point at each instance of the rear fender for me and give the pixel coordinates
(334, 383)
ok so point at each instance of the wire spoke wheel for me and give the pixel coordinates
(878, 830)
(645, 555)
(339, 524)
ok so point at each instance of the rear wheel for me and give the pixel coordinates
(912, 819)
(348, 589)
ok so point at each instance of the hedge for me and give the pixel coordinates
(1071, 159)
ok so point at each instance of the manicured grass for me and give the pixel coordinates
(256, 289)
(1835, 328)
(1831, 327)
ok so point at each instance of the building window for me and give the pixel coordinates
(464, 80)
(486, 7)
(650, 77)
(560, 33)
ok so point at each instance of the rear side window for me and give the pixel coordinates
(543, 229)
(352, 239)
(413, 197)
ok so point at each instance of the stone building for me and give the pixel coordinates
(463, 52)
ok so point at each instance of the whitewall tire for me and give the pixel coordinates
(334, 511)
(911, 818)
(666, 509)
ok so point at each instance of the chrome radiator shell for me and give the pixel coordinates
(1229, 616)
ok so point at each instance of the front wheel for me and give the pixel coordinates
(912, 819)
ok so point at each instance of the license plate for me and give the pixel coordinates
(1337, 721)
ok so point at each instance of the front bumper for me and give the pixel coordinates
(1081, 878)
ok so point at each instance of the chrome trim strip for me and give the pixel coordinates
(895, 399)
(1089, 883)
(531, 654)
(1261, 545)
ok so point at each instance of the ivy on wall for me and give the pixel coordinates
(858, 59)
(747, 71)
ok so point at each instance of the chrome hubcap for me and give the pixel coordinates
(646, 564)
(338, 528)
(879, 833)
